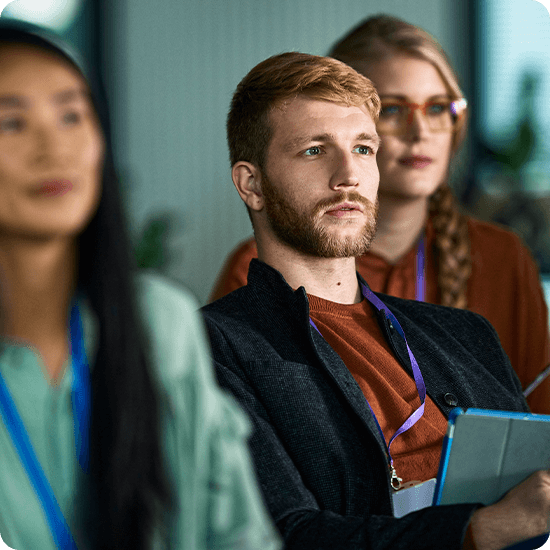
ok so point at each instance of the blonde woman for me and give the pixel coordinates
(424, 248)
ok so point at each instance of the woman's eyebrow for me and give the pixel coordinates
(66, 96)
(13, 101)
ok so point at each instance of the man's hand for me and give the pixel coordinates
(523, 513)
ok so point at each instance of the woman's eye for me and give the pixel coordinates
(10, 125)
(363, 150)
(392, 109)
(436, 109)
(71, 117)
(313, 151)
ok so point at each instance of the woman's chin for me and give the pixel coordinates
(410, 193)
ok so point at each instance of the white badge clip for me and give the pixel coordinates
(413, 496)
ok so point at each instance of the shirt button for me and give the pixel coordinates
(451, 400)
(391, 325)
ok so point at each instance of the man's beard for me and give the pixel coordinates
(303, 231)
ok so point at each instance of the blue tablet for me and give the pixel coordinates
(485, 453)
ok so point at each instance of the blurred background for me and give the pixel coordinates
(170, 67)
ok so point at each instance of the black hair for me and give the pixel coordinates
(128, 486)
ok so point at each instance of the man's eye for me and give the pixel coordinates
(71, 117)
(312, 151)
(363, 150)
(11, 125)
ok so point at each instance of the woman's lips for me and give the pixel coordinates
(416, 161)
(54, 188)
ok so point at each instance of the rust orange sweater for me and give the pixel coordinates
(353, 332)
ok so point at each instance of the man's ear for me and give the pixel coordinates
(247, 180)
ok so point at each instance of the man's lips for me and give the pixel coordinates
(417, 161)
(344, 209)
(54, 188)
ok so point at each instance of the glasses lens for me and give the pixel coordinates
(440, 116)
(393, 118)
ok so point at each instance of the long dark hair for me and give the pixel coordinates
(127, 483)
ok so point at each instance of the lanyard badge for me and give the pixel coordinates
(418, 380)
(81, 398)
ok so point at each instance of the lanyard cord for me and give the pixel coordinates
(418, 380)
(81, 392)
(421, 269)
(81, 411)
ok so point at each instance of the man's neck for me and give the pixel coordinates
(332, 279)
(36, 285)
(400, 224)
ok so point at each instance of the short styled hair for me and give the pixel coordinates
(281, 78)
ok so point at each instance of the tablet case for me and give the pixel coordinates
(486, 453)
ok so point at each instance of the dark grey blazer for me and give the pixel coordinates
(319, 457)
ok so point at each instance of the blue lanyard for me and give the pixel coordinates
(418, 380)
(81, 397)
(421, 269)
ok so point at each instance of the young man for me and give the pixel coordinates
(330, 373)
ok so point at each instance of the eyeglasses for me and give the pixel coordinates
(440, 116)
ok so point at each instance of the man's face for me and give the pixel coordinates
(321, 179)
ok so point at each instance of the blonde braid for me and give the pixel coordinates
(452, 247)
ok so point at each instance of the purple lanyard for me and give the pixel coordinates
(421, 269)
(418, 380)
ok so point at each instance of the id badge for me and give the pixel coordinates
(411, 498)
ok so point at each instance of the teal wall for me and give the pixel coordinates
(171, 67)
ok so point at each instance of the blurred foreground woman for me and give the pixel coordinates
(114, 433)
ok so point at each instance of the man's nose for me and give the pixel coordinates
(345, 171)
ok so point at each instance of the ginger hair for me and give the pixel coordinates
(279, 79)
(374, 40)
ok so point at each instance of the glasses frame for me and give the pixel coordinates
(458, 110)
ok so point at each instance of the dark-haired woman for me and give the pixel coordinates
(113, 433)
(424, 248)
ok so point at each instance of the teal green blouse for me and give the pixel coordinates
(204, 436)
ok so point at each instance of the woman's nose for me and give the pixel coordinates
(51, 144)
(417, 126)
